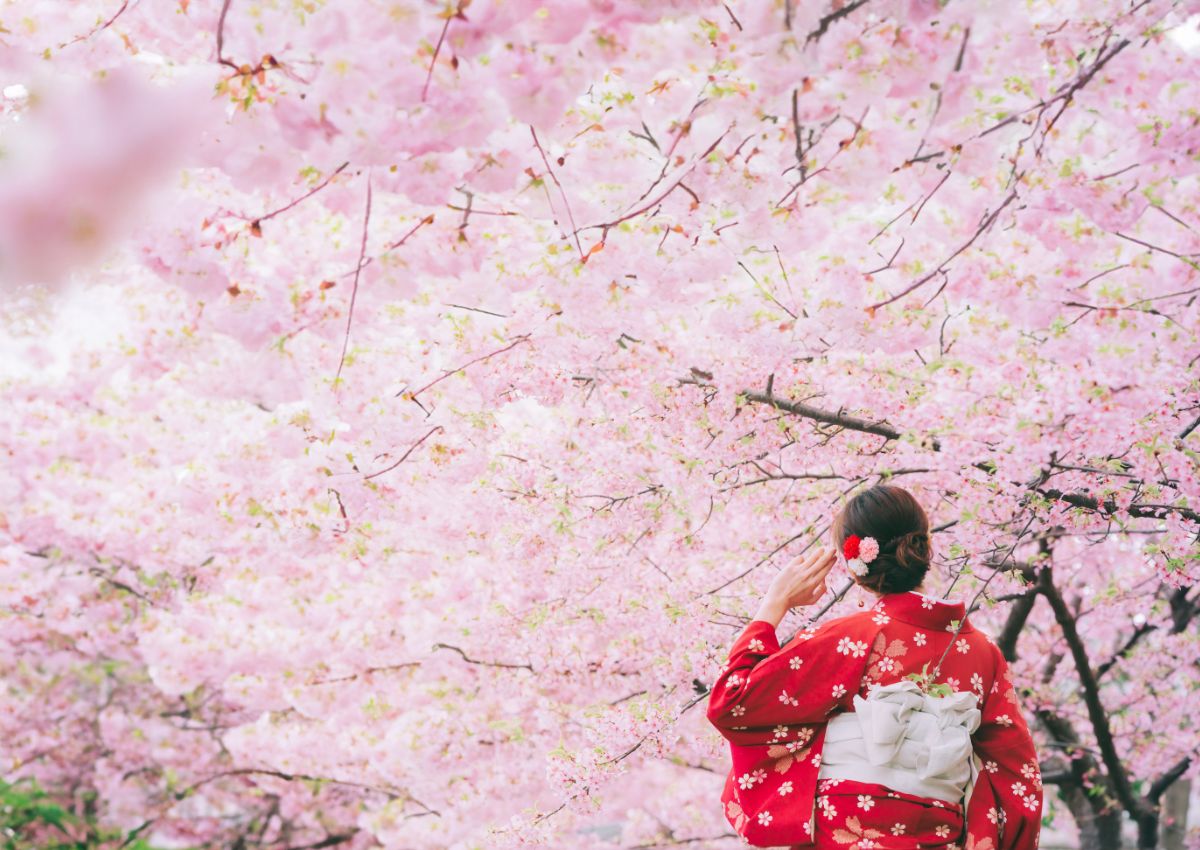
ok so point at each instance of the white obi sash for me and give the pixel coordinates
(906, 739)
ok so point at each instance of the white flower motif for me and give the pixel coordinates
(990, 766)
(760, 775)
(806, 634)
(897, 828)
(942, 831)
(886, 665)
(919, 638)
(827, 808)
(1031, 802)
(839, 691)
(780, 731)
(952, 682)
(756, 645)
(1004, 720)
(785, 788)
(993, 815)
(865, 802)
(738, 710)
(746, 780)
(858, 648)
(845, 646)
(881, 619)
(926, 602)
(1032, 772)
(1019, 788)
(764, 818)
(816, 760)
(795, 663)
(733, 681)
(962, 646)
(977, 683)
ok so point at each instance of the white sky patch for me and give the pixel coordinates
(82, 319)
(1187, 35)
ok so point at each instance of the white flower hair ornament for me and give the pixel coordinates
(859, 552)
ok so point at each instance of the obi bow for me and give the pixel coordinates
(937, 729)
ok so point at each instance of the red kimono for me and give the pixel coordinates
(772, 705)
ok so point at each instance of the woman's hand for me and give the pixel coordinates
(802, 582)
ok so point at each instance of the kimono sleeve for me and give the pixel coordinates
(1005, 809)
(763, 686)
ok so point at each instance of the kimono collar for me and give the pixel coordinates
(919, 610)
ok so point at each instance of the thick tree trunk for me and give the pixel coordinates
(1175, 814)
(1096, 831)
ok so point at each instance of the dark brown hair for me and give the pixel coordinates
(898, 523)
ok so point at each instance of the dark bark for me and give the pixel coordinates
(1017, 615)
(1175, 813)
(1097, 817)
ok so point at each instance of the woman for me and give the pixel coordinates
(837, 744)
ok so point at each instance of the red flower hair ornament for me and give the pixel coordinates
(859, 552)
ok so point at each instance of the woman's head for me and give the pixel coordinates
(898, 523)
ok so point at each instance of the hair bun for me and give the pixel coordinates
(901, 564)
(912, 551)
(893, 517)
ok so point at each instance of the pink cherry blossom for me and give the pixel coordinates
(425, 522)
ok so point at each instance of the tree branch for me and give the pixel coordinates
(1091, 697)
(836, 15)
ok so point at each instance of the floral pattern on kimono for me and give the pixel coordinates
(855, 815)
(772, 705)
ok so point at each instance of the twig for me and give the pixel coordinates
(562, 193)
(103, 26)
(470, 660)
(404, 456)
(458, 13)
(823, 24)
(256, 224)
(413, 395)
(362, 252)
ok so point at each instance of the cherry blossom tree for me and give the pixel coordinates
(405, 402)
